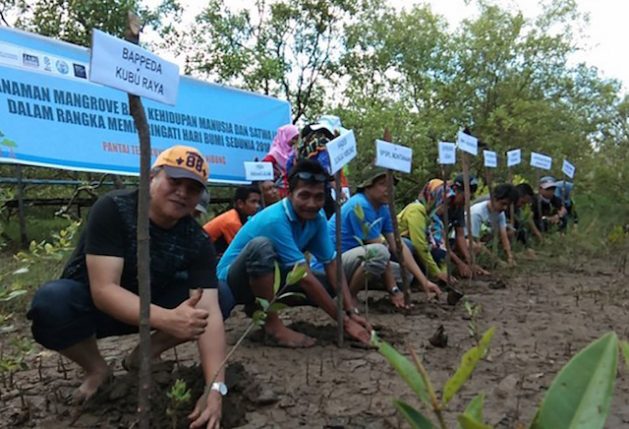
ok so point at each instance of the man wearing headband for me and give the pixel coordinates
(282, 234)
(97, 295)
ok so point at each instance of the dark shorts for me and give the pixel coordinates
(63, 314)
(256, 259)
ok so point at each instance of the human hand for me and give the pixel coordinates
(446, 279)
(465, 271)
(207, 411)
(185, 321)
(362, 322)
(356, 331)
(480, 271)
(432, 290)
(511, 261)
(397, 299)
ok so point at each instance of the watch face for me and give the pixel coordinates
(220, 388)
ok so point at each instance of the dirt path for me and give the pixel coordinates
(541, 318)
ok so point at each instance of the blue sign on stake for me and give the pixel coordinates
(53, 116)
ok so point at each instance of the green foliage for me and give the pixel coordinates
(474, 409)
(178, 395)
(580, 395)
(468, 422)
(73, 20)
(468, 363)
(404, 368)
(624, 347)
(415, 418)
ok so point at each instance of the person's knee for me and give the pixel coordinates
(377, 259)
(51, 304)
(261, 256)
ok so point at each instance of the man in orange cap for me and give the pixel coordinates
(97, 297)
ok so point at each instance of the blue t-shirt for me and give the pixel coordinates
(290, 236)
(379, 222)
(563, 191)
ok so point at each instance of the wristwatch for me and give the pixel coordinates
(352, 311)
(395, 290)
(219, 387)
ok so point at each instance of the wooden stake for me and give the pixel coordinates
(468, 215)
(143, 241)
(340, 314)
(446, 221)
(21, 212)
(539, 201)
(396, 230)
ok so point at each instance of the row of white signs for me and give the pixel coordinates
(469, 144)
(396, 157)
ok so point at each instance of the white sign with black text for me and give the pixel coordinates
(130, 68)
(539, 160)
(514, 157)
(568, 169)
(257, 171)
(447, 153)
(341, 150)
(467, 143)
(393, 156)
(491, 159)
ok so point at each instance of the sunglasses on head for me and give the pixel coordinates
(310, 177)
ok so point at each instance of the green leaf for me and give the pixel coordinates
(276, 278)
(259, 317)
(475, 408)
(297, 274)
(468, 422)
(404, 367)
(580, 395)
(624, 347)
(359, 240)
(466, 367)
(416, 419)
(276, 307)
(264, 303)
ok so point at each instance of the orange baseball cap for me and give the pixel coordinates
(183, 162)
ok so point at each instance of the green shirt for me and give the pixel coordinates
(413, 223)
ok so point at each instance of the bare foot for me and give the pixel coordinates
(286, 337)
(132, 361)
(91, 383)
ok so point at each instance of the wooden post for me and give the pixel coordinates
(396, 230)
(494, 221)
(539, 201)
(446, 221)
(468, 215)
(143, 241)
(340, 314)
(511, 206)
(20, 207)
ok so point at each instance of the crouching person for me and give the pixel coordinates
(97, 295)
(282, 233)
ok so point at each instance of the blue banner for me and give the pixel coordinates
(51, 115)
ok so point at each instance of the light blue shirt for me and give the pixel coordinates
(291, 237)
(379, 222)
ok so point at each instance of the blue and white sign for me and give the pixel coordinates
(491, 159)
(568, 169)
(122, 65)
(258, 171)
(53, 116)
(467, 143)
(447, 153)
(341, 151)
(539, 160)
(393, 156)
(514, 157)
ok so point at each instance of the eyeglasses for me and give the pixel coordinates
(310, 177)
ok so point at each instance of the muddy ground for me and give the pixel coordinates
(543, 315)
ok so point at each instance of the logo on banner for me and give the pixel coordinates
(47, 64)
(30, 60)
(79, 71)
(62, 67)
